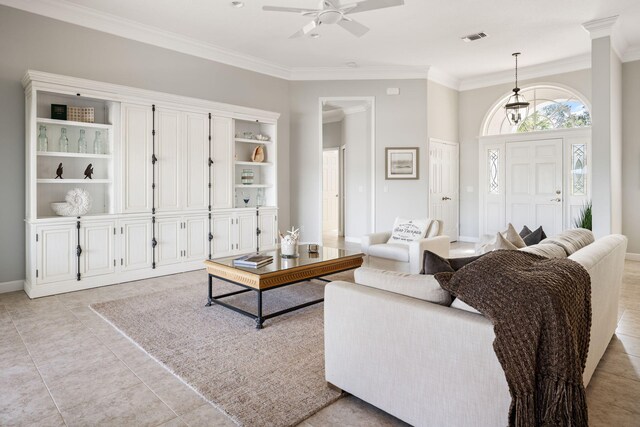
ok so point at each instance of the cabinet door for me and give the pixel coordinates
(196, 155)
(222, 156)
(57, 259)
(168, 153)
(97, 242)
(136, 244)
(168, 250)
(136, 158)
(195, 238)
(246, 225)
(268, 224)
(221, 229)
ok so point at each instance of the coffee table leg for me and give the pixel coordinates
(259, 318)
(210, 302)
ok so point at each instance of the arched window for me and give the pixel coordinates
(551, 107)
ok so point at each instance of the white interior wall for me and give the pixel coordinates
(442, 112)
(332, 134)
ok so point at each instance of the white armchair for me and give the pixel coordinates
(412, 253)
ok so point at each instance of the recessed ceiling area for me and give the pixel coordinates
(418, 35)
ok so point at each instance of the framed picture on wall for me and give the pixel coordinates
(401, 162)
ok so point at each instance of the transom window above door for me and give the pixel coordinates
(551, 107)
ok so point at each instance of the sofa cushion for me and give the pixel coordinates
(433, 263)
(421, 286)
(572, 240)
(547, 250)
(395, 251)
(409, 230)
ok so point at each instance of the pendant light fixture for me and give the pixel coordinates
(517, 107)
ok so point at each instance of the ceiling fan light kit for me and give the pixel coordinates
(517, 107)
(329, 14)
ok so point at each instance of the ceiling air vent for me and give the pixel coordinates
(474, 37)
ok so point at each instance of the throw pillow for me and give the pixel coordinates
(434, 229)
(409, 230)
(433, 263)
(534, 237)
(502, 243)
(572, 240)
(513, 237)
(525, 231)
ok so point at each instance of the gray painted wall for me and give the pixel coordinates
(631, 155)
(474, 105)
(442, 112)
(400, 121)
(332, 134)
(356, 134)
(30, 41)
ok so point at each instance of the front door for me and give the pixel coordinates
(443, 185)
(534, 185)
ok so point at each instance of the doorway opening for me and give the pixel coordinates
(347, 181)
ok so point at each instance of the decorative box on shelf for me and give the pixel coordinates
(81, 114)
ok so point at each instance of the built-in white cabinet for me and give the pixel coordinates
(137, 125)
(97, 242)
(56, 252)
(167, 189)
(135, 244)
(268, 225)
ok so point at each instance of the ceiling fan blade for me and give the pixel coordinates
(355, 28)
(367, 5)
(288, 9)
(304, 30)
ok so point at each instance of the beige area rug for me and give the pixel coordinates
(268, 377)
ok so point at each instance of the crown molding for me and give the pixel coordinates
(63, 10)
(531, 72)
(602, 27)
(364, 73)
(442, 78)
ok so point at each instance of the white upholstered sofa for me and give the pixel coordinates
(412, 253)
(434, 365)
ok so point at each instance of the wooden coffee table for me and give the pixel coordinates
(281, 272)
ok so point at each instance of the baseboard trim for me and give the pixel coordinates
(16, 285)
(468, 239)
(632, 257)
(352, 239)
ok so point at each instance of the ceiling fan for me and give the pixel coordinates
(330, 12)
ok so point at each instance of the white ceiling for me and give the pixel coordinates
(405, 40)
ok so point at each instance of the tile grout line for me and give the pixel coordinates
(37, 370)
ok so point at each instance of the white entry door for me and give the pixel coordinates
(534, 185)
(443, 185)
(330, 191)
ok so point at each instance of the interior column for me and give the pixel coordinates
(606, 111)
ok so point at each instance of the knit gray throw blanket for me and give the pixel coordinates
(541, 313)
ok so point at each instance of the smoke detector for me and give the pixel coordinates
(474, 37)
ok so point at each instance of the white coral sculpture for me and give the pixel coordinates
(78, 202)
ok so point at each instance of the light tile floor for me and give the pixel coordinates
(60, 364)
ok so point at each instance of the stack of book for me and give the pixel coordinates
(253, 261)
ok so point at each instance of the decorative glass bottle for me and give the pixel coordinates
(97, 143)
(82, 142)
(43, 141)
(247, 176)
(63, 142)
